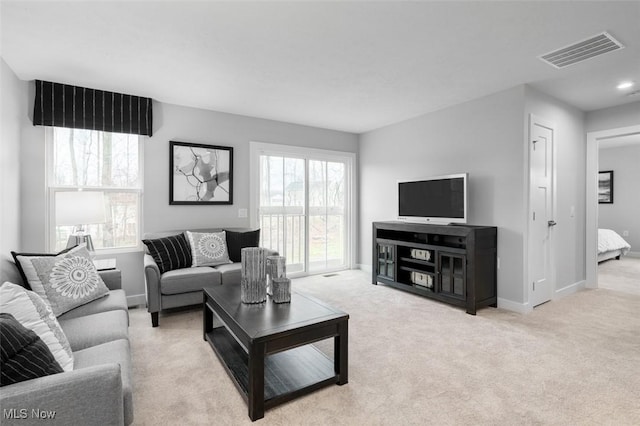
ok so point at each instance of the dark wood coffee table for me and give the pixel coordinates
(266, 348)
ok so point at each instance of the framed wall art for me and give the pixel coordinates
(605, 187)
(200, 174)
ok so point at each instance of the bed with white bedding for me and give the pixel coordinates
(610, 245)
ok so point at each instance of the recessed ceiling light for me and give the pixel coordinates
(625, 85)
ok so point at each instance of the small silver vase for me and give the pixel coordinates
(276, 268)
(281, 288)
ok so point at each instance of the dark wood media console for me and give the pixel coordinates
(455, 264)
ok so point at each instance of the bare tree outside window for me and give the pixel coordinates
(100, 161)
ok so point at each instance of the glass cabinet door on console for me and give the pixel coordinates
(386, 261)
(452, 274)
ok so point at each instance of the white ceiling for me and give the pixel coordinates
(352, 66)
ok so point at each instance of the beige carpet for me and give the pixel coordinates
(575, 361)
(620, 275)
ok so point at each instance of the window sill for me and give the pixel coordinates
(114, 251)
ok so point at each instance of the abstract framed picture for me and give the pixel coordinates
(605, 187)
(200, 174)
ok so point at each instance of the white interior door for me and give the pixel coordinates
(541, 212)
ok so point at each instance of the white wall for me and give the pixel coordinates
(12, 114)
(624, 213)
(613, 118)
(570, 185)
(487, 138)
(177, 123)
(33, 205)
(483, 137)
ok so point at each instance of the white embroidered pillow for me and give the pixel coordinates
(34, 314)
(65, 281)
(208, 248)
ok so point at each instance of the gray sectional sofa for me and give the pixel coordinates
(183, 287)
(99, 389)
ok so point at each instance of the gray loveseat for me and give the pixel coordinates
(183, 287)
(99, 389)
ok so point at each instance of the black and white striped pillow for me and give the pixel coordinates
(23, 355)
(170, 252)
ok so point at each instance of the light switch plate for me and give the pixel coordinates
(242, 212)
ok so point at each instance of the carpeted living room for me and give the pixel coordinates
(319, 212)
(568, 362)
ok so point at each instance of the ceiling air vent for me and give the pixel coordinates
(581, 51)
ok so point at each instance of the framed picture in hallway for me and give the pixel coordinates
(200, 174)
(605, 187)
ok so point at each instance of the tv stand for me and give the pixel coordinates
(454, 263)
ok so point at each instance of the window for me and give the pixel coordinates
(110, 163)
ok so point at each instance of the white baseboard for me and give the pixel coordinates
(525, 308)
(366, 268)
(136, 300)
(510, 305)
(635, 254)
(570, 289)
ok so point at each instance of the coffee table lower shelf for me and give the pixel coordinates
(287, 374)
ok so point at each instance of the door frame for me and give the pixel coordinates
(591, 197)
(537, 120)
(258, 148)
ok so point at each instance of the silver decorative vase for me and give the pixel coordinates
(276, 268)
(281, 288)
(253, 281)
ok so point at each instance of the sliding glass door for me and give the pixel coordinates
(304, 206)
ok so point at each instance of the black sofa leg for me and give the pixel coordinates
(154, 319)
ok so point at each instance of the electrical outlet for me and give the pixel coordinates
(242, 212)
(625, 233)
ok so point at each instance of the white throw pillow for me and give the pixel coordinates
(35, 314)
(65, 281)
(208, 248)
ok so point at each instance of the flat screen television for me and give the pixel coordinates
(440, 199)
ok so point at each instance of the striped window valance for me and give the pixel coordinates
(62, 105)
